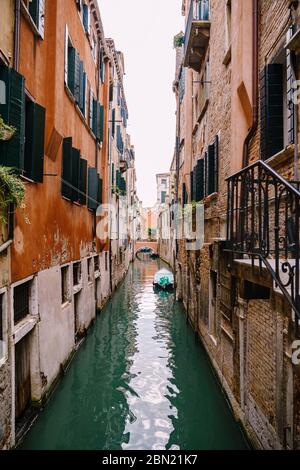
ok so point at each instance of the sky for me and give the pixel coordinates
(144, 30)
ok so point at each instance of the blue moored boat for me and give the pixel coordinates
(164, 279)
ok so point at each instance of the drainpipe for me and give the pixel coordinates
(293, 8)
(17, 34)
(254, 84)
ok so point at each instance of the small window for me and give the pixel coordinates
(96, 263)
(76, 273)
(106, 261)
(36, 9)
(228, 24)
(163, 197)
(65, 290)
(94, 48)
(21, 301)
(90, 269)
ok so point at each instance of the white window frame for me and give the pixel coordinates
(4, 345)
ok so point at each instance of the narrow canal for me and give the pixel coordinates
(140, 381)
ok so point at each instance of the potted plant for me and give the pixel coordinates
(12, 191)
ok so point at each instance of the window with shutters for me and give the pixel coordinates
(94, 48)
(277, 108)
(93, 189)
(74, 173)
(163, 197)
(35, 9)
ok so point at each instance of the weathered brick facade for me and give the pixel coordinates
(244, 322)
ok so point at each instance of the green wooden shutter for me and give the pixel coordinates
(200, 180)
(272, 125)
(71, 69)
(101, 65)
(216, 153)
(113, 123)
(111, 92)
(91, 109)
(66, 189)
(82, 181)
(112, 174)
(13, 112)
(100, 122)
(211, 170)
(95, 112)
(34, 11)
(205, 175)
(75, 174)
(77, 78)
(35, 142)
(93, 189)
(81, 101)
(86, 18)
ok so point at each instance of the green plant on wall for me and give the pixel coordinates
(12, 191)
(6, 131)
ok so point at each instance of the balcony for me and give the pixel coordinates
(197, 34)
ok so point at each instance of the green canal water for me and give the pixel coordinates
(141, 380)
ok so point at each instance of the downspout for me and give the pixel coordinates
(294, 7)
(253, 128)
(17, 34)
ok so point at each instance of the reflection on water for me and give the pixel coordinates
(140, 381)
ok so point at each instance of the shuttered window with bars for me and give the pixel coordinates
(212, 173)
(277, 107)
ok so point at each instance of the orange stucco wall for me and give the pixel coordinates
(54, 230)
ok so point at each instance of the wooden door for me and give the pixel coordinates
(22, 385)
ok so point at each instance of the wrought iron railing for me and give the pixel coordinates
(199, 11)
(263, 225)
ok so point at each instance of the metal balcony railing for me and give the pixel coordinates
(263, 212)
(199, 11)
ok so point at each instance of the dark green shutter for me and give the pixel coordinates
(113, 123)
(101, 65)
(120, 145)
(100, 122)
(13, 113)
(112, 174)
(85, 18)
(35, 142)
(111, 92)
(79, 4)
(71, 69)
(272, 125)
(95, 112)
(200, 180)
(66, 189)
(82, 181)
(205, 175)
(184, 195)
(75, 174)
(81, 102)
(211, 170)
(118, 179)
(91, 109)
(34, 11)
(77, 78)
(93, 189)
